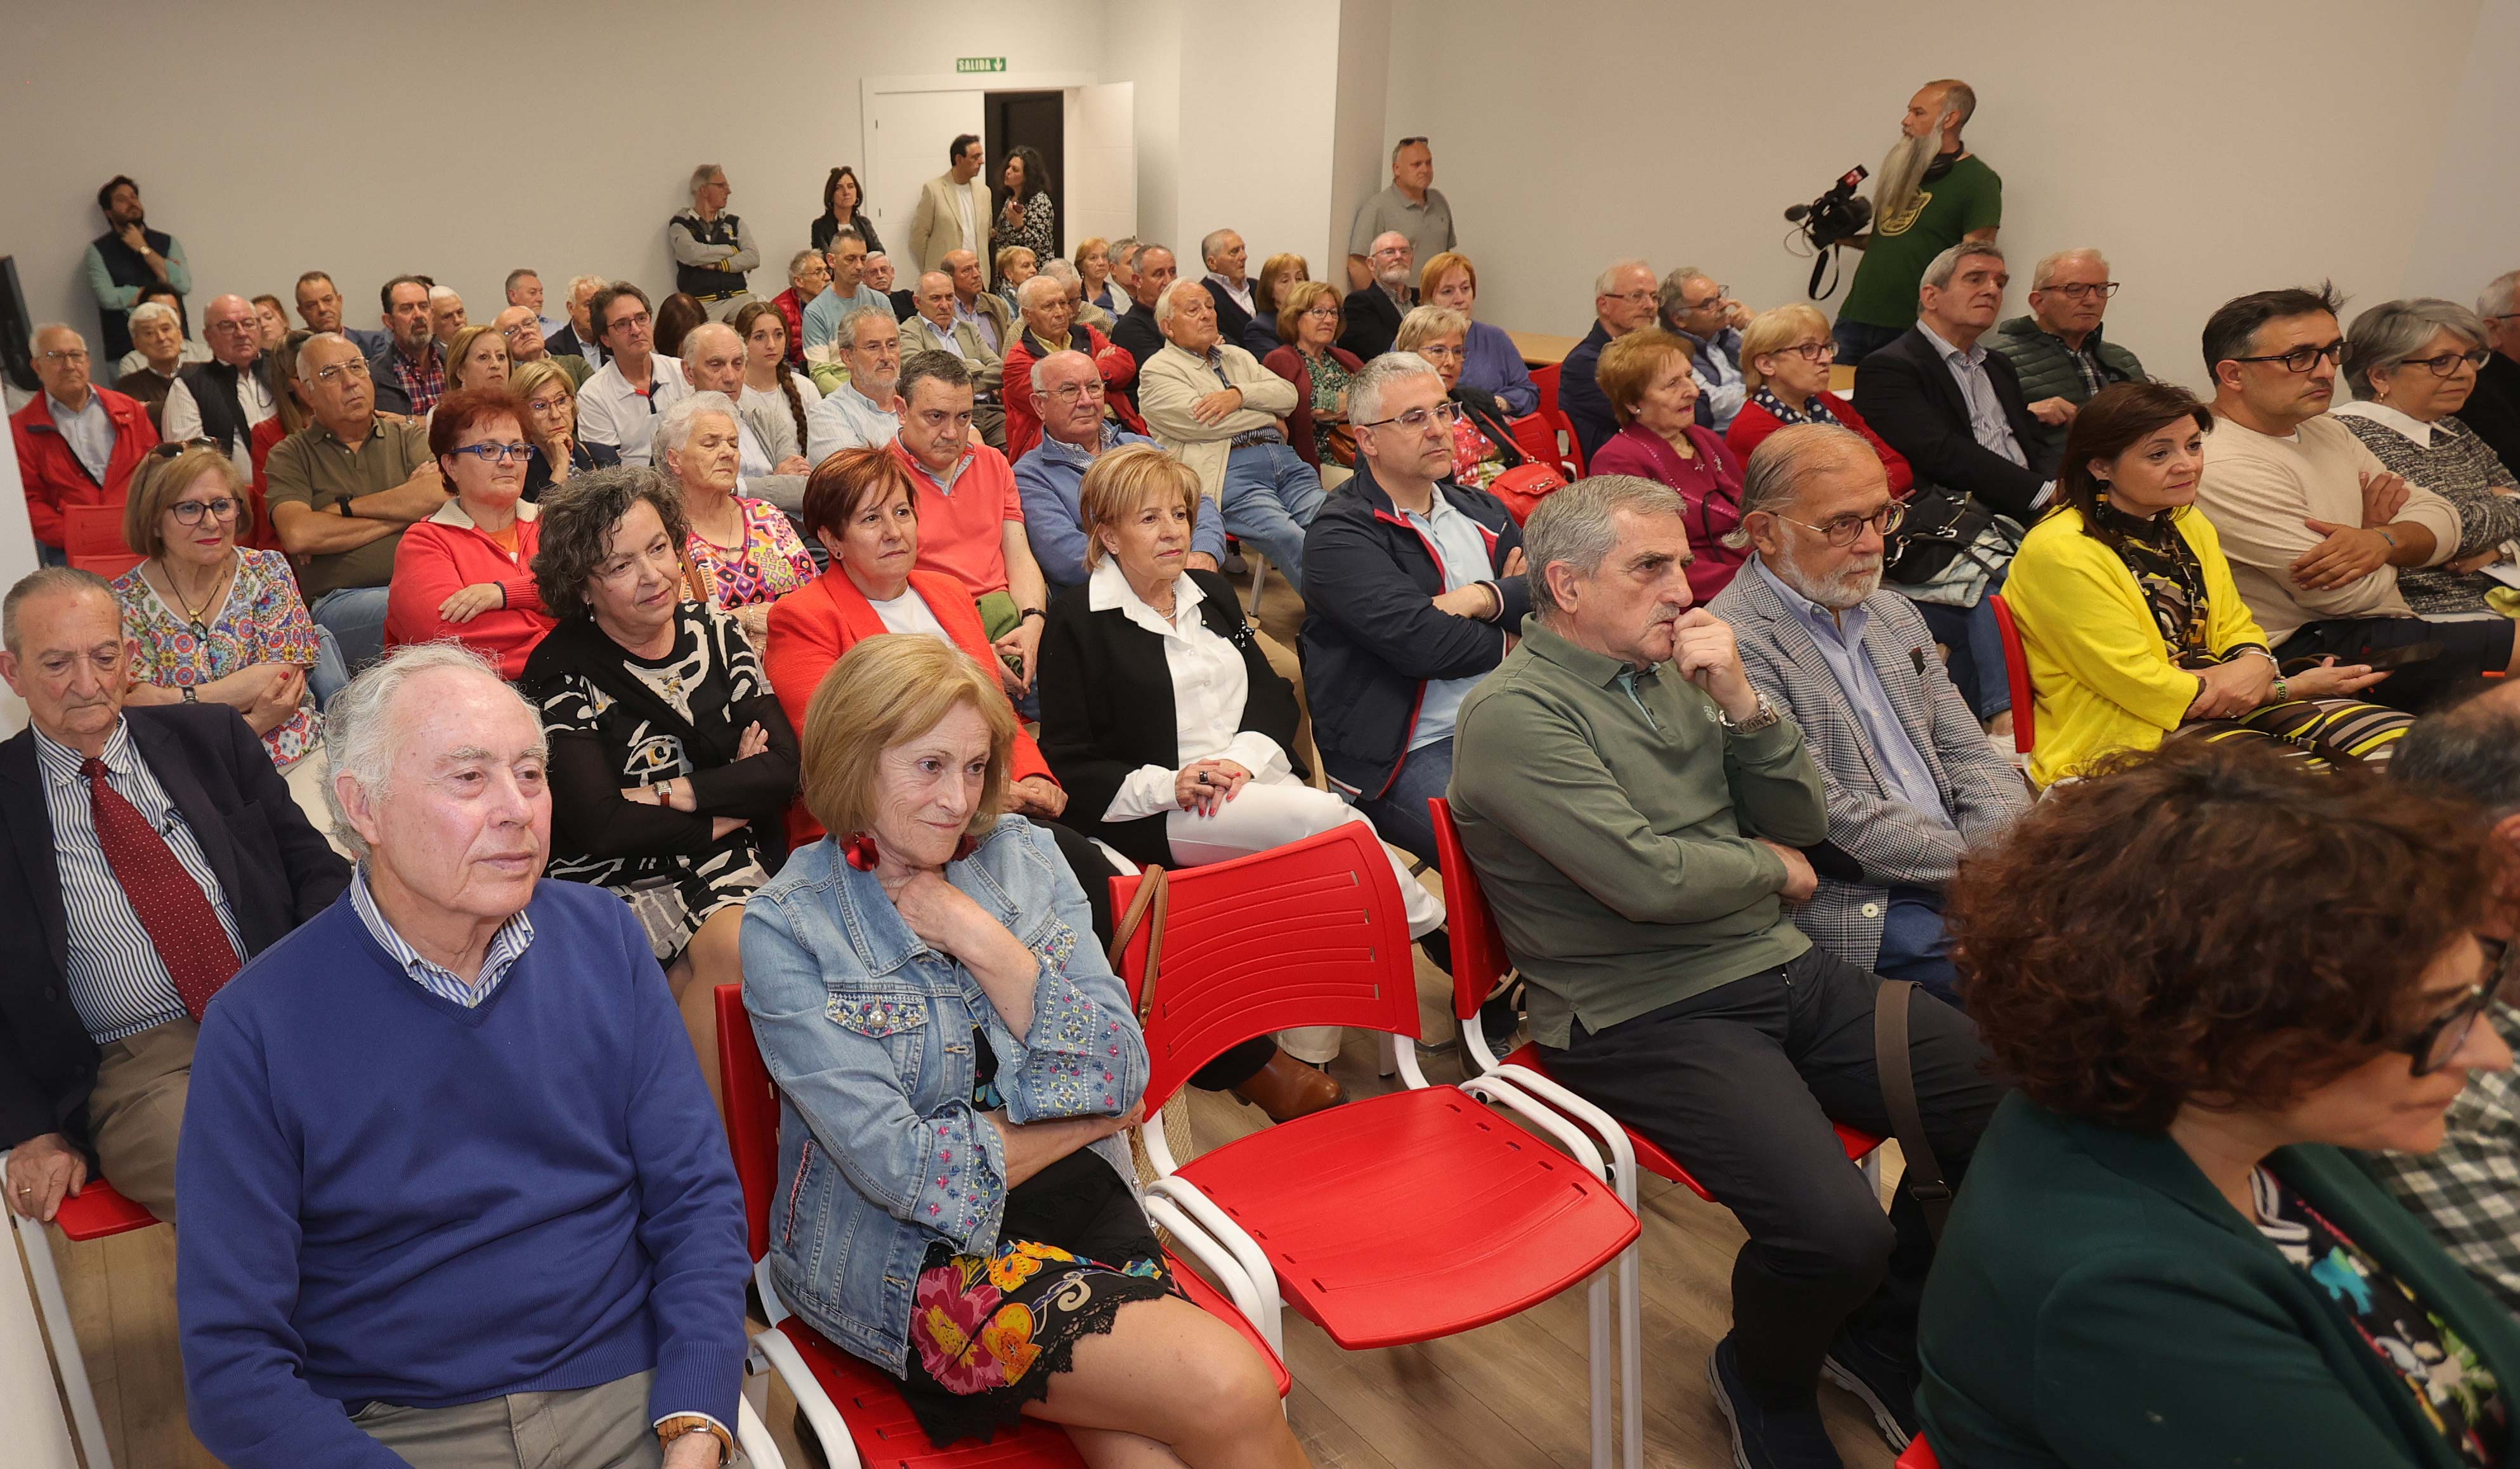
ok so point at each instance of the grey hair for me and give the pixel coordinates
(845, 331)
(46, 581)
(1040, 364)
(2045, 270)
(298, 365)
(2386, 336)
(1211, 242)
(1958, 97)
(796, 261)
(2470, 750)
(437, 291)
(1608, 281)
(1773, 478)
(701, 175)
(41, 328)
(1027, 299)
(1365, 390)
(149, 311)
(360, 738)
(844, 232)
(1946, 265)
(2498, 294)
(1164, 303)
(674, 429)
(577, 283)
(1668, 294)
(1424, 323)
(1060, 269)
(1577, 525)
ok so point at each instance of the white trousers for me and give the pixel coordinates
(1262, 817)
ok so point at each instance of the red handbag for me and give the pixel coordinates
(1524, 486)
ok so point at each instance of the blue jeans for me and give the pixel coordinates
(1977, 666)
(1856, 340)
(356, 617)
(1915, 945)
(1270, 496)
(330, 672)
(1399, 815)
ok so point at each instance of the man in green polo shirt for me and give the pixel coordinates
(1931, 193)
(340, 491)
(1636, 812)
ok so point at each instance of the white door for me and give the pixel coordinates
(1101, 147)
(909, 134)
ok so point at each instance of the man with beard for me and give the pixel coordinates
(1912, 784)
(1638, 812)
(1930, 195)
(410, 373)
(127, 260)
(1374, 313)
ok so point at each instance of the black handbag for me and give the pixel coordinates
(1941, 523)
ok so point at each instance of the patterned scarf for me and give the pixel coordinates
(1814, 411)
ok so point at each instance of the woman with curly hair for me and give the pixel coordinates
(2212, 973)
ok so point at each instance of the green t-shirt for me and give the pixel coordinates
(1968, 198)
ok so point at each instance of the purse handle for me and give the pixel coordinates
(1923, 1180)
(1148, 904)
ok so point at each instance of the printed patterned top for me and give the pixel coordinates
(262, 620)
(771, 563)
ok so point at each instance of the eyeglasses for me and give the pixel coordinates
(1846, 530)
(2302, 358)
(546, 405)
(1322, 313)
(1813, 352)
(191, 512)
(1417, 420)
(626, 323)
(495, 453)
(523, 328)
(1632, 298)
(2439, 1039)
(74, 354)
(1717, 299)
(1069, 392)
(1431, 350)
(356, 367)
(173, 447)
(2081, 288)
(2448, 362)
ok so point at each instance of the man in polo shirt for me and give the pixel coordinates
(225, 397)
(77, 444)
(970, 515)
(1411, 206)
(620, 404)
(410, 373)
(862, 409)
(846, 255)
(341, 491)
(940, 326)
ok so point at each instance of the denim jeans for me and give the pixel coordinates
(356, 616)
(1270, 496)
(1399, 815)
(1916, 946)
(1856, 340)
(330, 672)
(1976, 641)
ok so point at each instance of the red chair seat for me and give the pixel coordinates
(100, 1213)
(1479, 1219)
(1918, 1455)
(1652, 1159)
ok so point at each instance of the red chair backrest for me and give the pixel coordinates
(1311, 933)
(92, 538)
(1479, 947)
(1545, 379)
(2016, 673)
(751, 1115)
(1536, 435)
(1918, 1455)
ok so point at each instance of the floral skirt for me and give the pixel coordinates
(988, 1332)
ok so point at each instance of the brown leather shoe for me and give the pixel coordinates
(1286, 1088)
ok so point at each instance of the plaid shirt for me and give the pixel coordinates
(2468, 1193)
(425, 383)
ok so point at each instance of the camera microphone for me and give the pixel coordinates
(1795, 213)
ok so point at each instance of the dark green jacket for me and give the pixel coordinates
(2047, 365)
(2096, 1301)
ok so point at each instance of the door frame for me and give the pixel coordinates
(870, 87)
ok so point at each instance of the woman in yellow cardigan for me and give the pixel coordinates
(2129, 617)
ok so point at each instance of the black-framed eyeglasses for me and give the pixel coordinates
(495, 453)
(1717, 299)
(173, 447)
(2302, 358)
(2078, 289)
(1846, 530)
(2448, 362)
(1417, 420)
(191, 512)
(1815, 351)
(2440, 1039)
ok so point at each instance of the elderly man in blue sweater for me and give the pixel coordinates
(454, 1192)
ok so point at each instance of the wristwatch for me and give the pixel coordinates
(192, 695)
(1764, 718)
(1030, 612)
(681, 1425)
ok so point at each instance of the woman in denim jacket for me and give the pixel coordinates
(956, 1063)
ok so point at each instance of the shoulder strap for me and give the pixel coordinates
(1147, 907)
(1925, 1180)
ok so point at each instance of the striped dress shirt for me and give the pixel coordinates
(117, 981)
(507, 945)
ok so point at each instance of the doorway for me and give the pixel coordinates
(1037, 120)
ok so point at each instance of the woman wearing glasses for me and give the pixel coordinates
(1785, 357)
(2165, 1253)
(217, 622)
(1483, 445)
(1645, 375)
(1309, 319)
(2411, 364)
(467, 572)
(2131, 622)
(549, 401)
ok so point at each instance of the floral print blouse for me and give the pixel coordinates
(262, 620)
(772, 561)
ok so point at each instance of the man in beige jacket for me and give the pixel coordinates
(953, 210)
(933, 328)
(1215, 405)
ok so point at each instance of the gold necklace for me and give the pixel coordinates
(191, 614)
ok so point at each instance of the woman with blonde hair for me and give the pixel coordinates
(1309, 319)
(1785, 357)
(1014, 264)
(550, 401)
(1483, 446)
(477, 357)
(1092, 261)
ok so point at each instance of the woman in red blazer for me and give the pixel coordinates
(1786, 358)
(861, 504)
(468, 571)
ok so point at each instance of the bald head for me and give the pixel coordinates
(232, 330)
(964, 268)
(521, 329)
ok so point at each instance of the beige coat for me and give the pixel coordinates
(920, 334)
(1173, 380)
(936, 229)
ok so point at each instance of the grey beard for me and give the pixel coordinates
(1903, 168)
(1836, 592)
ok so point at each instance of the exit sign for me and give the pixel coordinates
(980, 64)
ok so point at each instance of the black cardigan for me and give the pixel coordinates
(1107, 705)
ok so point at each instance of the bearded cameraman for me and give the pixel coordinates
(1930, 193)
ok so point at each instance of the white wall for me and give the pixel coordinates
(460, 140)
(2471, 226)
(2208, 150)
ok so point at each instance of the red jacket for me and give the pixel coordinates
(1023, 425)
(1754, 424)
(54, 477)
(441, 556)
(792, 312)
(813, 625)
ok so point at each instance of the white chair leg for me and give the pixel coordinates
(751, 1435)
(1597, 1299)
(1632, 1361)
(55, 1315)
(1259, 574)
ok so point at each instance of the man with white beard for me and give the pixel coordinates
(1911, 782)
(1931, 193)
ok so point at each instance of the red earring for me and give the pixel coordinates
(859, 851)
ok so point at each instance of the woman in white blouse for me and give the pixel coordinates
(1160, 716)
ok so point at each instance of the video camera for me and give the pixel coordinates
(1835, 216)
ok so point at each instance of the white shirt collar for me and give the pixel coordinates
(1108, 588)
(1945, 351)
(452, 512)
(2382, 414)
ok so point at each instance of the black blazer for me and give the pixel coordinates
(2493, 409)
(1232, 323)
(1107, 705)
(1372, 321)
(275, 868)
(1906, 392)
(1136, 334)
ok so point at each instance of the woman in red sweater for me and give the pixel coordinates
(467, 572)
(1786, 358)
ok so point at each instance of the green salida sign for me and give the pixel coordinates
(980, 64)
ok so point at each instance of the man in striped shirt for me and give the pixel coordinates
(151, 849)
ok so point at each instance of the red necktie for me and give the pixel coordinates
(196, 951)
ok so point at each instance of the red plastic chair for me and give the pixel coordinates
(1546, 379)
(92, 538)
(1918, 1455)
(2016, 673)
(848, 1401)
(1403, 1217)
(1536, 435)
(98, 1213)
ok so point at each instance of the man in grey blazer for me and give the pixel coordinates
(1912, 782)
(952, 211)
(935, 328)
